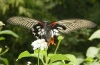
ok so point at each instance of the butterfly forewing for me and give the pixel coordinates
(23, 21)
(74, 24)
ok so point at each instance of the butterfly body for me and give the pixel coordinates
(48, 30)
(45, 30)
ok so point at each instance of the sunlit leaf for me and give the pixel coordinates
(2, 38)
(80, 60)
(4, 51)
(18, 2)
(89, 59)
(94, 63)
(55, 57)
(92, 52)
(41, 53)
(36, 55)
(60, 63)
(21, 10)
(5, 8)
(5, 61)
(24, 54)
(95, 35)
(9, 32)
(0, 50)
(71, 58)
(39, 3)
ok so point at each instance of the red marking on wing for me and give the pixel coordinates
(53, 24)
(51, 41)
(41, 23)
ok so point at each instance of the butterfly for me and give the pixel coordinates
(46, 30)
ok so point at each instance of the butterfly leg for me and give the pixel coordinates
(51, 41)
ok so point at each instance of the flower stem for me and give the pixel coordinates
(59, 40)
(4, 51)
(38, 55)
(57, 46)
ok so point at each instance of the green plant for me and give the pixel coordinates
(40, 51)
(2, 38)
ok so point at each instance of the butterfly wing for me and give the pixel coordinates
(67, 26)
(23, 22)
(34, 25)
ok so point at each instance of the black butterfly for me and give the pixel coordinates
(48, 30)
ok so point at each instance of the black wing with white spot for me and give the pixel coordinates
(71, 25)
(23, 22)
(34, 25)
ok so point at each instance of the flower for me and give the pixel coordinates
(40, 43)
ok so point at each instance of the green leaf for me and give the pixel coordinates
(89, 60)
(2, 38)
(4, 51)
(92, 52)
(21, 10)
(36, 55)
(9, 32)
(60, 63)
(71, 58)
(95, 35)
(42, 53)
(80, 60)
(0, 50)
(24, 54)
(95, 63)
(55, 57)
(4, 60)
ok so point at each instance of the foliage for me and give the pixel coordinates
(95, 35)
(92, 55)
(50, 59)
(2, 38)
(3, 59)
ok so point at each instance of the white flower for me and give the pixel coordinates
(40, 43)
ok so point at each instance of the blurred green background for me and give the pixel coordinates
(52, 10)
